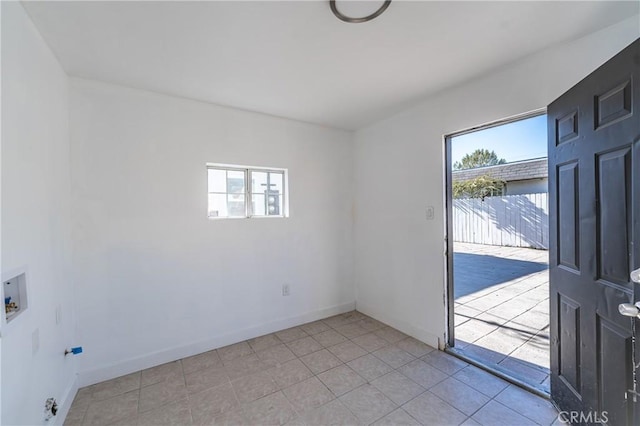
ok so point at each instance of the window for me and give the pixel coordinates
(239, 192)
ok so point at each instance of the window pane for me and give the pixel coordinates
(258, 203)
(218, 205)
(267, 205)
(235, 182)
(258, 182)
(228, 192)
(226, 205)
(235, 205)
(276, 181)
(274, 203)
(217, 180)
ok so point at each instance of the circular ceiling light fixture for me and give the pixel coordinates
(351, 20)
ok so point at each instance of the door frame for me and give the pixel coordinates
(448, 191)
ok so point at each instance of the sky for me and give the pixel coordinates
(520, 140)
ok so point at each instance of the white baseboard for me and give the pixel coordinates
(128, 366)
(64, 404)
(407, 328)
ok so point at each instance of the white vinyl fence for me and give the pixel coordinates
(512, 220)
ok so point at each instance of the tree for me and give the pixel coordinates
(478, 158)
(480, 187)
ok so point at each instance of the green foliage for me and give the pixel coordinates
(480, 187)
(478, 158)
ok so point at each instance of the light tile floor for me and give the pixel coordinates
(344, 370)
(502, 309)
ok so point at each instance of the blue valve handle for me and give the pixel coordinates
(75, 351)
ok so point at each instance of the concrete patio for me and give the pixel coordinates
(502, 309)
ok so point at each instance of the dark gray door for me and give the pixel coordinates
(594, 204)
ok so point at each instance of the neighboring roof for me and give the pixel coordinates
(518, 170)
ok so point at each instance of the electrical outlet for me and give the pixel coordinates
(285, 289)
(431, 214)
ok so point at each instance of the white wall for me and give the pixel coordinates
(528, 186)
(399, 263)
(36, 231)
(156, 280)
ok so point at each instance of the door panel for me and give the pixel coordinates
(613, 177)
(594, 186)
(613, 105)
(569, 364)
(614, 370)
(568, 216)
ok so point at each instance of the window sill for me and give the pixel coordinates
(247, 217)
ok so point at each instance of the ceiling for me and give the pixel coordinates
(296, 60)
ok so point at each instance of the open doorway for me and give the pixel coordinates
(498, 241)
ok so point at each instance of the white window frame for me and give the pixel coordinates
(248, 190)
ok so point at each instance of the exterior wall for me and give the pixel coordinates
(531, 186)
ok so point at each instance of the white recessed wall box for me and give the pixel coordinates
(14, 293)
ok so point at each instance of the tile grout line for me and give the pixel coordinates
(184, 378)
(299, 414)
